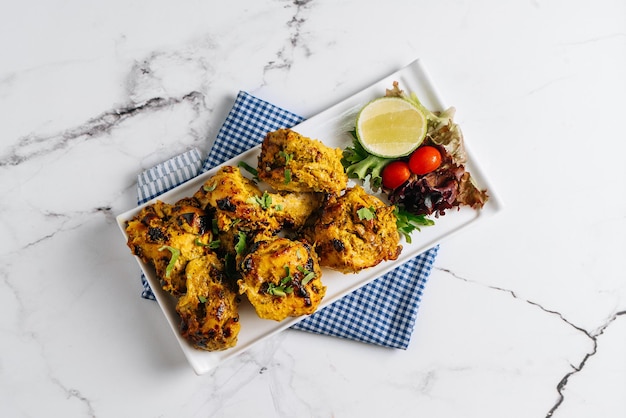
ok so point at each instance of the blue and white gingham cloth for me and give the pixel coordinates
(383, 312)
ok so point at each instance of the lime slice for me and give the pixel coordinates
(390, 127)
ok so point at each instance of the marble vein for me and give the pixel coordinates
(285, 55)
(601, 38)
(74, 393)
(578, 368)
(33, 146)
(591, 335)
(62, 227)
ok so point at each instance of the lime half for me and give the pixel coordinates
(390, 127)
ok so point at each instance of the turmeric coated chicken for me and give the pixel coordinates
(292, 162)
(282, 278)
(232, 238)
(355, 231)
(208, 311)
(167, 237)
(237, 201)
(177, 241)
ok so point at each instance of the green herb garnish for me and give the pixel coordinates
(208, 188)
(249, 169)
(175, 254)
(287, 157)
(274, 290)
(408, 222)
(283, 288)
(212, 245)
(265, 201)
(280, 290)
(240, 247)
(366, 213)
(288, 277)
(287, 176)
(308, 275)
(202, 299)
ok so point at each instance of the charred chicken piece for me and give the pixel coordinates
(167, 237)
(293, 209)
(282, 278)
(208, 311)
(238, 202)
(292, 162)
(355, 231)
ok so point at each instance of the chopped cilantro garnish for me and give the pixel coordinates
(265, 201)
(208, 188)
(284, 287)
(249, 169)
(287, 157)
(280, 290)
(288, 277)
(287, 176)
(408, 222)
(308, 275)
(175, 254)
(366, 214)
(240, 247)
(212, 245)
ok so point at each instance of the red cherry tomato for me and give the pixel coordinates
(424, 160)
(395, 173)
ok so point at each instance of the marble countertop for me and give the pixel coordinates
(523, 315)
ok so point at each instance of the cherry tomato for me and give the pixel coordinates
(395, 173)
(424, 160)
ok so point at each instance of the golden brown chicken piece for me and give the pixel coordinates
(292, 162)
(355, 231)
(167, 237)
(292, 210)
(208, 311)
(282, 278)
(236, 200)
(240, 205)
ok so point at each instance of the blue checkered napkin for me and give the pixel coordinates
(165, 176)
(382, 312)
(245, 127)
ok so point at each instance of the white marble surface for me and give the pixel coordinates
(522, 316)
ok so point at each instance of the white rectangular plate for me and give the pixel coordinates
(332, 127)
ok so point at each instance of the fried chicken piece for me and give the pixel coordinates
(167, 237)
(293, 209)
(209, 310)
(292, 162)
(282, 278)
(238, 201)
(355, 231)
